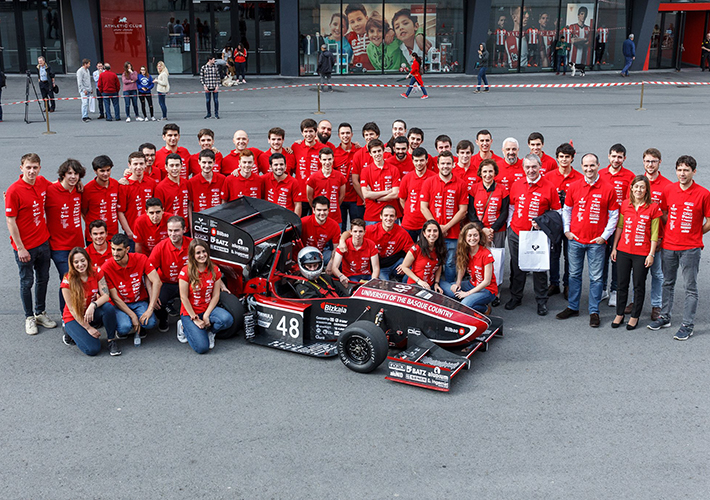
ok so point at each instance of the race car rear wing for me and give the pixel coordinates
(235, 230)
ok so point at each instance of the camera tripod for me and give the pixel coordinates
(27, 99)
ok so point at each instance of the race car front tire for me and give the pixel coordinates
(362, 346)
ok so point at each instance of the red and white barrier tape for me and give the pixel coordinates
(392, 85)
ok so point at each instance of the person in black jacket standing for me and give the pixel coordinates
(482, 66)
(326, 61)
(46, 82)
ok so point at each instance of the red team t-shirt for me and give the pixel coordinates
(200, 298)
(194, 164)
(444, 199)
(410, 189)
(404, 167)
(424, 267)
(477, 269)
(307, 161)
(168, 261)
(63, 210)
(163, 153)
(636, 233)
(98, 259)
(356, 261)
(25, 202)
(230, 163)
(590, 205)
(265, 167)
(100, 203)
(148, 234)
(175, 197)
(330, 188)
(128, 281)
(561, 182)
(203, 194)
(237, 186)
(488, 205)
(91, 292)
(316, 235)
(379, 179)
(388, 242)
(285, 192)
(468, 177)
(132, 198)
(508, 174)
(619, 181)
(343, 163)
(658, 186)
(529, 200)
(686, 211)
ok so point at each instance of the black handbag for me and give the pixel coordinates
(55, 89)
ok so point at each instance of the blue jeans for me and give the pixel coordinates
(689, 263)
(61, 262)
(657, 280)
(562, 63)
(112, 100)
(161, 103)
(197, 337)
(412, 81)
(629, 61)
(386, 272)
(100, 102)
(85, 97)
(104, 315)
(131, 97)
(353, 209)
(450, 266)
(38, 265)
(478, 301)
(414, 233)
(595, 260)
(482, 77)
(215, 97)
(445, 286)
(123, 321)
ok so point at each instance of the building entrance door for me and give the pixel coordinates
(258, 32)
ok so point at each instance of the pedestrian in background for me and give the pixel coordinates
(83, 83)
(163, 87)
(705, 53)
(46, 82)
(415, 77)
(145, 85)
(109, 86)
(240, 63)
(482, 66)
(130, 90)
(209, 78)
(326, 61)
(629, 51)
(96, 75)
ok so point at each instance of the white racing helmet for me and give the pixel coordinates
(309, 256)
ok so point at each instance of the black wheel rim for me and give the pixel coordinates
(358, 349)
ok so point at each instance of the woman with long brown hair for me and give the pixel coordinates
(473, 256)
(87, 305)
(130, 90)
(200, 282)
(634, 247)
(424, 261)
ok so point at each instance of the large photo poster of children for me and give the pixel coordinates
(366, 37)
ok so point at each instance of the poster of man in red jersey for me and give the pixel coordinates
(581, 25)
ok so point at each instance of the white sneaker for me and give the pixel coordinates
(152, 118)
(45, 321)
(128, 119)
(605, 295)
(31, 325)
(139, 119)
(211, 337)
(181, 332)
(612, 299)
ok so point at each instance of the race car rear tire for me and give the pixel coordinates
(362, 346)
(234, 307)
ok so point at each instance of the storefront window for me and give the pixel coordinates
(610, 34)
(9, 56)
(538, 38)
(168, 34)
(381, 37)
(505, 29)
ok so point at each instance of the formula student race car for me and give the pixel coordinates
(430, 337)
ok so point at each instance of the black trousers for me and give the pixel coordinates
(625, 262)
(518, 277)
(47, 93)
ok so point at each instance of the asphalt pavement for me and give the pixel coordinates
(554, 409)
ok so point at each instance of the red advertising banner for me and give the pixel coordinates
(123, 33)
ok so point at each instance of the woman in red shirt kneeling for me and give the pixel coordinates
(473, 256)
(200, 283)
(87, 306)
(635, 247)
(424, 260)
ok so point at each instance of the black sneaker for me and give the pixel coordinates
(115, 348)
(163, 325)
(121, 337)
(661, 322)
(171, 310)
(68, 340)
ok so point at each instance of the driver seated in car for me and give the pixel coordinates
(317, 284)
